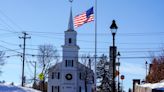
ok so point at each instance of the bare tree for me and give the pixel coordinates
(156, 73)
(86, 74)
(47, 56)
(1, 60)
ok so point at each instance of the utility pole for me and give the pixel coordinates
(35, 72)
(24, 48)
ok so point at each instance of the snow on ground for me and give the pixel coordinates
(148, 87)
(10, 88)
(154, 85)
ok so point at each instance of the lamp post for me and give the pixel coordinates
(118, 54)
(122, 78)
(113, 28)
(146, 71)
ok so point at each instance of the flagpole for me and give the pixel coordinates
(95, 46)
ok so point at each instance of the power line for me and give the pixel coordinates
(129, 57)
(8, 43)
(123, 57)
(8, 56)
(7, 17)
(8, 30)
(7, 26)
(92, 34)
(136, 57)
(130, 50)
(10, 49)
(91, 50)
(87, 41)
(127, 51)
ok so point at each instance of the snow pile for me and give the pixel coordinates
(154, 85)
(148, 87)
(10, 88)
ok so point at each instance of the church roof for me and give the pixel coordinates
(58, 66)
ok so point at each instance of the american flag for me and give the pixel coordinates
(83, 18)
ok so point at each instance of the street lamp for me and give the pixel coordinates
(113, 28)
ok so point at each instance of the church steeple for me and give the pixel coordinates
(70, 24)
(70, 47)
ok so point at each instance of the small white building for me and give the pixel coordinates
(70, 75)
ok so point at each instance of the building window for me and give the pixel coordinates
(52, 77)
(66, 63)
(80, 89)
(58, 75)
(57, 89)
(72, 63)
(69, 63)
(93, 80)
(70, 40)
(52, 88)
(80, 76)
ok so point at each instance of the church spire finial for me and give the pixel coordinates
(70, 24)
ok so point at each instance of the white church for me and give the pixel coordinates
(70, 75)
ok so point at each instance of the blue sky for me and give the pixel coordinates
(140, 31)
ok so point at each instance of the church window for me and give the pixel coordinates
(80, 89)
(72, 63)
(57, 89)
(52, 88)
(52, 75)
(66, 63)
(93, 79)
(58, 75)
(69, 63)
(80, 76)
(70, 40)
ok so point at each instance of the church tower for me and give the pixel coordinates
(68, 75)
(70, 47)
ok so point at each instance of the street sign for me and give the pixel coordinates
(41, 76)
(122, 77)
